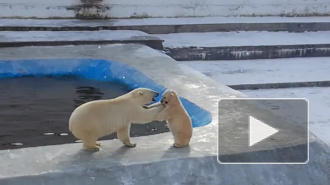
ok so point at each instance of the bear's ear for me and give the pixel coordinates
(140, 93)
(172, 94)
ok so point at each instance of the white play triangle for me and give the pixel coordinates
(259, 130)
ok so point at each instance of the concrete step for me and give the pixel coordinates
(267, 74)
(50, 38)
(246, 45)
(173, 25)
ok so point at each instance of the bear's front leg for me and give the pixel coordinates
(143, 116)
(123, 136)
(157, 104)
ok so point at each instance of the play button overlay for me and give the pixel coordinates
(263, 131)
(259, 131)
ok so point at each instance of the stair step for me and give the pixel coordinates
(245, 45)
(51, 38)
(280, 85)
(173, 25)
(266, 74)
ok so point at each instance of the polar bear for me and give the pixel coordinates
(176, 116)
(99, 118)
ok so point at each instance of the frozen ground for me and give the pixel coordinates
(279, 70)
(237, 72)
(244, 38)
(160, 21)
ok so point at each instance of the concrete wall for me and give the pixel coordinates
(159, 8)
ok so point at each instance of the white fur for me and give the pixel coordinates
(176, 117)
(99, 118)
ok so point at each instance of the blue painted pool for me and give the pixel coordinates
(96, 69)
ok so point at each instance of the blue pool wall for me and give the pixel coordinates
(96, 69)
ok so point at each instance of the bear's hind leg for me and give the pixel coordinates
(123, 136)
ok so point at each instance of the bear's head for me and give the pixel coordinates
(170, 97)
(144, 96)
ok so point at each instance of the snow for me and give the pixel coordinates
(219, 20)
(244, 38)
(9, 36)
(239, 72)
(275, 71)
(319, 106)
(160, 21)
(145, 51)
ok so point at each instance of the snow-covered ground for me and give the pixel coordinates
(237, 72)
(279, 70)
(244, 38)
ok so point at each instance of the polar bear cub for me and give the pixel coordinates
(99, 118)
(176, 116)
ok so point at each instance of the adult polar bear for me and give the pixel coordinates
(99, 118)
